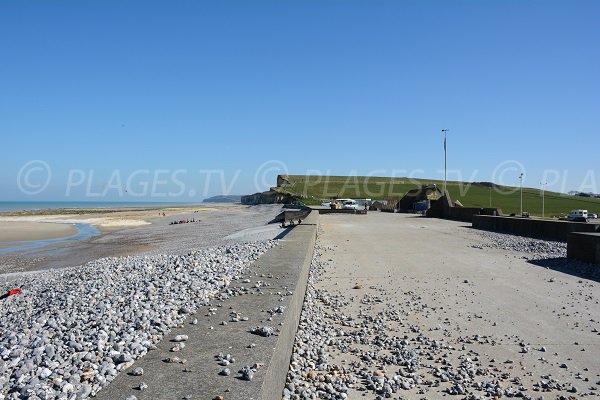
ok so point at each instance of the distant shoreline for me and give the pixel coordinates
(127, 231)
(106, 218)
(70, 208)
(42, 225)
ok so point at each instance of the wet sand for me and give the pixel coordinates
(18, 231)
(107, 219)
(129, 232)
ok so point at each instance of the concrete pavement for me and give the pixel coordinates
(489, 305)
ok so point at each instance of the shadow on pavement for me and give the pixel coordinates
(571, 267)
(284, 232)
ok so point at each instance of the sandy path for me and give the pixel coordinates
(487, 304)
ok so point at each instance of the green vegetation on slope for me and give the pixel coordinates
(311, 189)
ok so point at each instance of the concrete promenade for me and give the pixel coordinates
(515, 318)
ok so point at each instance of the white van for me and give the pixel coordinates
(350, 205)
(578, 215)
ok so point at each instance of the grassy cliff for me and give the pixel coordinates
(311, 189)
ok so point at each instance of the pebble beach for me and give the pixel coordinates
(74, 328)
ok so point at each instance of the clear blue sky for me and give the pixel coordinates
(339, 87)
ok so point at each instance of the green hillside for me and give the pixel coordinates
(311, 189)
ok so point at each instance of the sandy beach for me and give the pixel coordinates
(125, 231)
(106, 219)
(24, 230)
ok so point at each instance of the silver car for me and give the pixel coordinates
(350, 205)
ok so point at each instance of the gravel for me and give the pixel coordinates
(72, 330)
(545, 253)
(535, 248)
(311, 375)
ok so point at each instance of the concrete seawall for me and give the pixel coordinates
(584, 247)
(536, 228)
(284, 272)
(302, 241)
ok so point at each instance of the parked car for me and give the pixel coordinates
(578, 216)
(592, 216)
(325, 203)
(350, 205)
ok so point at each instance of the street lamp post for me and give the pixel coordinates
(444, 131)
(543, 202)
(521, 179)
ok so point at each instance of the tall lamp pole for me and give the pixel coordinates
(445, 131)
(543, 202)
(521, 179)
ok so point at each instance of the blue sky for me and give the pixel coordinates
(114, 96)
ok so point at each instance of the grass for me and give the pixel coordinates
(311, 189)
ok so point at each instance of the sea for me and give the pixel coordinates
(51, 205)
